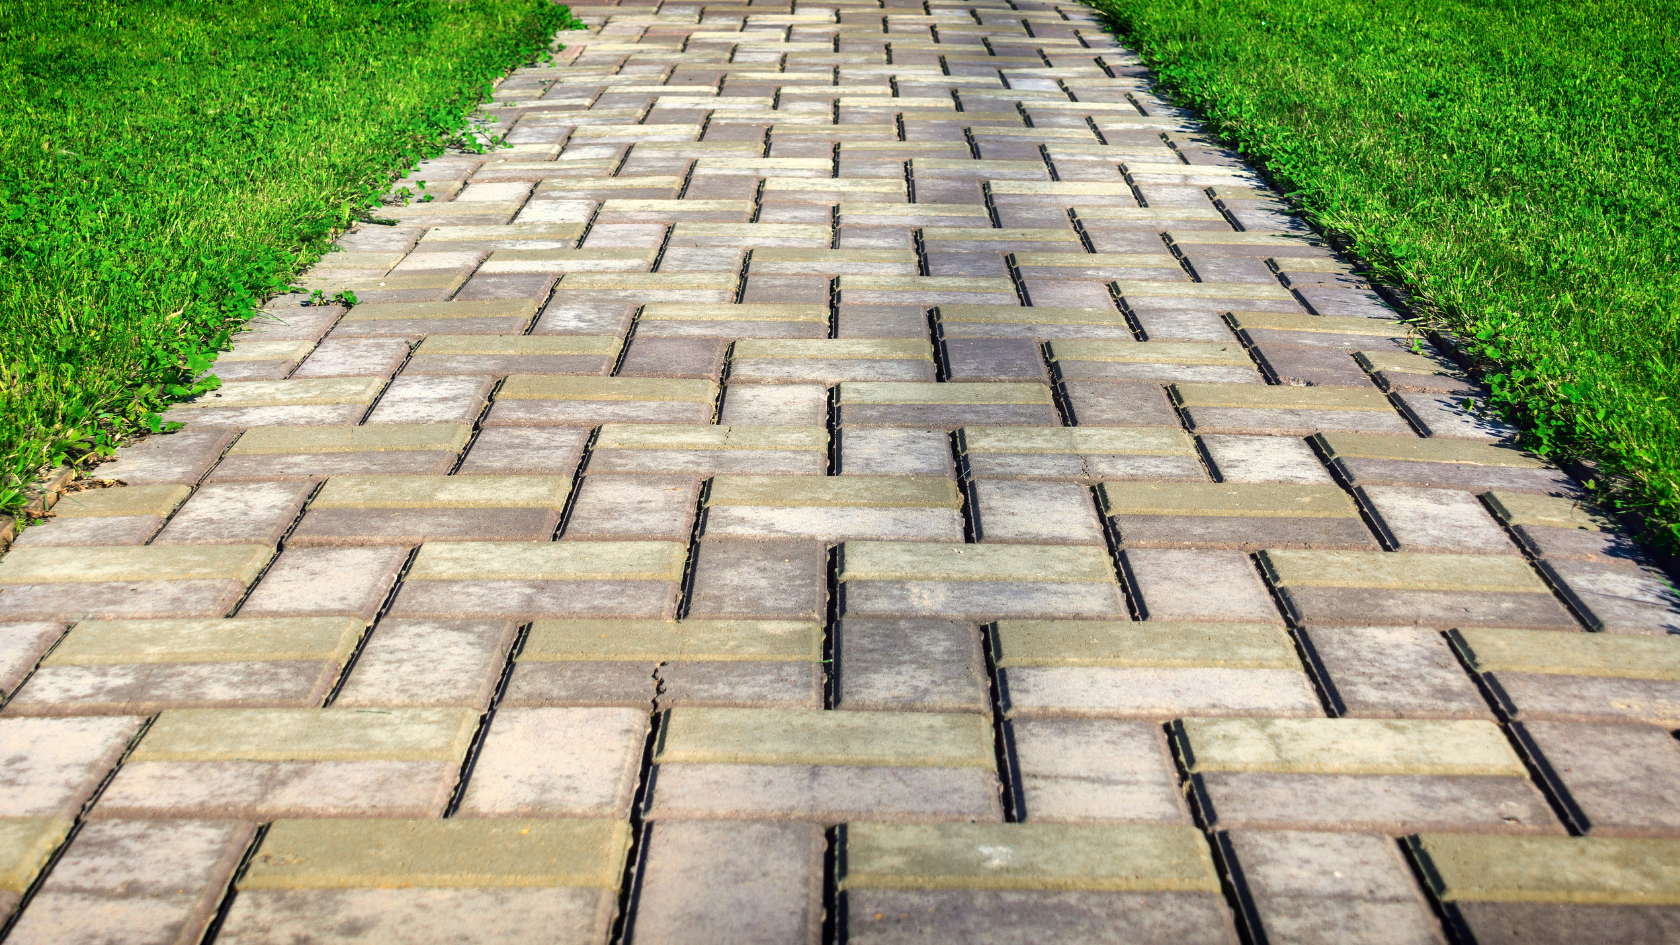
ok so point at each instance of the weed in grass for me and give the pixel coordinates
(166, 164)
(1512, 162)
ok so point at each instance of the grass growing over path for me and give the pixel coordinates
(1514, 162)
(164, 164)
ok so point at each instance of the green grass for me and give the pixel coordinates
(165, 164)
(1512, 162)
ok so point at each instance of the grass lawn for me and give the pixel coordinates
(164, 164)
(1513, 162)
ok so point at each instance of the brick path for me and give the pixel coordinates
(924, 492)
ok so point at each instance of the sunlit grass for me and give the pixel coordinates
(1513, 163)
(164, 164)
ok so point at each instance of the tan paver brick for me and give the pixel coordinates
(152, 563)
(373, 438)
(1400, 570)
(107, 642)
(442, 492)
(125, 500)
(26, 843)
(550, 561)
(1615, 656)
(807, 737)
(1152, 643)
(372, 854)
(1471, 868)
(1346, 746)
(308, 735)
(640, 640)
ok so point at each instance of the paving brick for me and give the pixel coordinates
(115, 581)
(1113, 404)
(649, 356)
(770, 579)
(1159, 361)
(920, 766)
(510, 354)
(1462, 868)
(781, 737)
(1391, 804)
(1198, 585)
(297, 452)
(702, 662)
(1012, 321)
(896, 452)
(428, 663)
(588, 401)
(1438, 520)
(947, 405)
(831, 360)
(1576, 676)
(237, 513)
(26, 843)
(1078, 454)
(154, 501)
(536, 451)
(349, 582)
(1264, 459)
(1441, 464)
(359, 358)
(1039, 857)
(1083, 770)
(1620, 780)
(1046, 882)
(54, 765)
(1247, 516)
(307, 735)
(353, 510)
(709, 450)
(474, 880)
(1148, 670)
(524, 580)
(1615, 598)
(1286, 411)
(656, 508)
(1408, 371)
(91, 530)
(726, 321)
(834, 508)
(1346, 746)
(325, 391)
(910, 665)
(1517, 509)
(983, 581)
(158, 881)
(1425, 589)
(1394, 672)
(433, 399)
(1364, 775)
(592, 775)
(142, 666)
(1319, 888)
(748, 883)
(263, 764)
(1035, 512)
(21, 646)
(775, 405)
(1445, 416)
(1502, 923)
